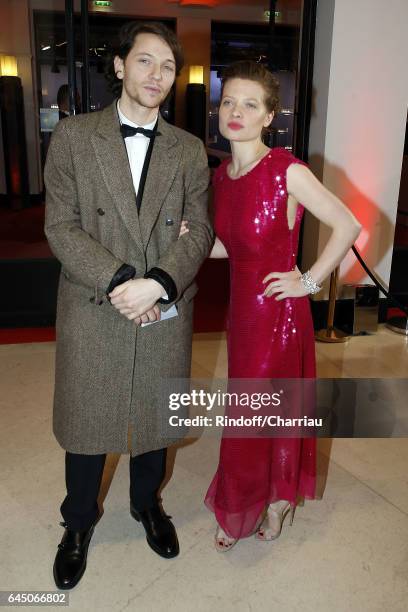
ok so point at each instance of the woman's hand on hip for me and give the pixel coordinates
(286, 284)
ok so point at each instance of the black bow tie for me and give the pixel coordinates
(128, 130)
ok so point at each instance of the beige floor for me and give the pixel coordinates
(347, 551)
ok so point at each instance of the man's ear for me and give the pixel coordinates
(119, 66)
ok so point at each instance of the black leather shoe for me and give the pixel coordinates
(70, 561)
(161, 535)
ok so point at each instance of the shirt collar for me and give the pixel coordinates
(124, 119)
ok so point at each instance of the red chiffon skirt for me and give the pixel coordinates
(255, 472)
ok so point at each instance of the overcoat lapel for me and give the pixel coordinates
(111, 155)
(164, 163)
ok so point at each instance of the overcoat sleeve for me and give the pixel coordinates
(184, 257)
(83, 258)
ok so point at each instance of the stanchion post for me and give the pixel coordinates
(331, 334)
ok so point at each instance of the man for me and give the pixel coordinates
(63, 101)
(115, 199)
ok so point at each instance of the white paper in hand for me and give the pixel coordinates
(169, 314)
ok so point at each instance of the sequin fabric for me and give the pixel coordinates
(266, 339)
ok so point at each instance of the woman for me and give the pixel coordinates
(260, 195)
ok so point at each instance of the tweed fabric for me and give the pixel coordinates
(107, 369)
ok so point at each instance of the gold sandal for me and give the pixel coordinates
(223, 542)
(261, 533)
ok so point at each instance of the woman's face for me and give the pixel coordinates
(243, 113)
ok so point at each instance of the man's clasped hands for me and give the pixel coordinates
(136, 300)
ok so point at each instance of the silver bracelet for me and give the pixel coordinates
(309, 284)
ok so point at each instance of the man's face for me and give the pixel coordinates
(148, 72)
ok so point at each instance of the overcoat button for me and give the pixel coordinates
(101, 212)
(100, 302)
(169, 222)
(92, 300)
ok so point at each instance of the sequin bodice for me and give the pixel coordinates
(251, 214)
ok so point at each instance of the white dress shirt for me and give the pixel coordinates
(136, 147)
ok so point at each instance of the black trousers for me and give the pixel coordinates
(83, 476)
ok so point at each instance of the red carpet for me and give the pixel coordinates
(22, 233)
(21, 335)
(395, 312)
(201, 324)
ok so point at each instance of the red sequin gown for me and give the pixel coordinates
(265, 338)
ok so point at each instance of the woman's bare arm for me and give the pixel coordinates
(218, 251)
(325, 206)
